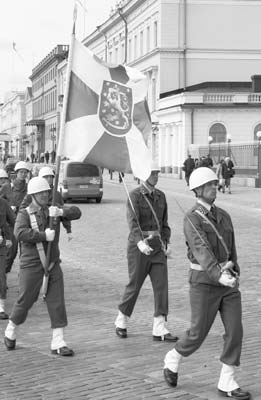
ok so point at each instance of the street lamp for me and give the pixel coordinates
(228, 145)
(258, 180)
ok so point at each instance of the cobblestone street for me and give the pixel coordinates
(95, 270)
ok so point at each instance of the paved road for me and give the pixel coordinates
(106, 367)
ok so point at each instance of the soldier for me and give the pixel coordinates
(213, 281)
(148, 241)
(5, 186)
(31, 230)
(7, 219)
(19, 190)
(48, 174)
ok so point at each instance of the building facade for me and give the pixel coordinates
(12, 123)
(180, 44)
(45, 109)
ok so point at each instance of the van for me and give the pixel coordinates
(81, 181)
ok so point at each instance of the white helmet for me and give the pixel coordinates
(37, 185)
(45, 171)
(21, 165)
(3, 173)
(154, 166)
(200, 176)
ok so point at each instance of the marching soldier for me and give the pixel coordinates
(7, 220)
(48, 174)
(33, 233)
(213, 281)
(148, 242)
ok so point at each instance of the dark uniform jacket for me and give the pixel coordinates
(28, 237)
(19, 189)
(58, 202)
(212, 252)
(7, 220)
(145, 216)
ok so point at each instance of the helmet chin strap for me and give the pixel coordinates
(36, 201)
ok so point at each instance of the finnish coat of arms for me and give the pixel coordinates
(115, 110)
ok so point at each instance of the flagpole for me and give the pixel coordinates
(60, 147)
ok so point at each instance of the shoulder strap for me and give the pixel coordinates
(216, 232)
(153, 211)
(39, 245)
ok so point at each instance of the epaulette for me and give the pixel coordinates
(202, 209)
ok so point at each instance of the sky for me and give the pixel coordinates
(30, 29)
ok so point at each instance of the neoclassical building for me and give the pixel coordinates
(199, 57)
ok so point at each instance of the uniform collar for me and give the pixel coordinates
(204, 204)
(146, 189)
(33, 208)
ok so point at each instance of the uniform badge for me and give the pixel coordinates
(116, 106)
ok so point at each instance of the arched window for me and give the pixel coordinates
(257, 129)
(218, 132)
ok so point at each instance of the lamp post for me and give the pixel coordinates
(228, 145)
(258, 179)
(210, 140)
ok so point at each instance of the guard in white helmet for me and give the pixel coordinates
(213, 277)
(33, 232)
(48, 174)
(148, 247)
(5, 186)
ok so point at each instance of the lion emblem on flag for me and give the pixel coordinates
(115, 110)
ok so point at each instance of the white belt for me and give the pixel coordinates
(198, 267)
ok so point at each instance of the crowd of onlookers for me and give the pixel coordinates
(225, 170)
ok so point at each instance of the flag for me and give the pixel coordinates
(107, 120)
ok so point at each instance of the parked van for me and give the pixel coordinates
(78, 180)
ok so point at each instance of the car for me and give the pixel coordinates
(80, 181)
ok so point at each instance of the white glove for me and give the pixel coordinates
(167, 251)
(1, 239)
(55, 212)
(49, 233)
(226, 279)
(69, 236)
(8, 243)
(13, 208)
(144, 247)
(228, 266)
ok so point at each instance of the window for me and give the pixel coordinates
(130, 54)
(218, 133)
(257, 129)
(155, 34)
(141, 43)
(148, 39)
(135, 47)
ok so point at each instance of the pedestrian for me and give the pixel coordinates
(53, 155)
(188, 167)
(228, 173)
(19, 190)
(121, 175)
(7, 219)
(213, 278)
(48, 174)
(46, 156)
(42, 157)
(33, 233)
(219, 173)
(209, 161)
(148, 246)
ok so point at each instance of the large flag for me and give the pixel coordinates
(107, 120)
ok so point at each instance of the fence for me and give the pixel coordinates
(244, 156)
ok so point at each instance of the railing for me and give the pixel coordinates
(244, 155)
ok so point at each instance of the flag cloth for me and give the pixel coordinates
(107, 120)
